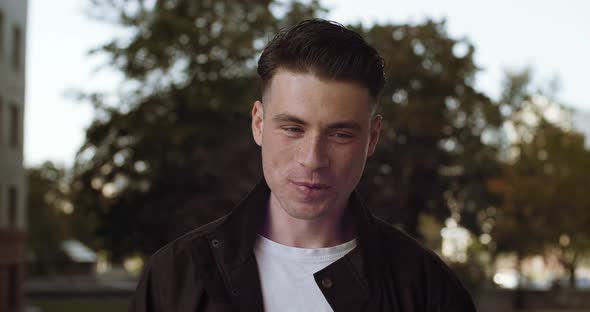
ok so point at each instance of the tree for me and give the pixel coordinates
(545, 205)
(161, 158)
(174, 152)
(47, 205)
(436, 150)
(516, 215)
(565, 166)
(546, 201)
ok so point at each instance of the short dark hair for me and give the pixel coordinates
(327, 49)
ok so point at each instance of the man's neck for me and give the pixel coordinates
(325, 231)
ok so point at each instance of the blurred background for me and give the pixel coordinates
(125, 123)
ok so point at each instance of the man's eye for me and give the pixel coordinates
(292, 129)
(342, 135)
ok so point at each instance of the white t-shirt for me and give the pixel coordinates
(286, 274)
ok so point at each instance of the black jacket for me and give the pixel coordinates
(213, 268)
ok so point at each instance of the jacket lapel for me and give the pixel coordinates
(346, 284)
(232, 248)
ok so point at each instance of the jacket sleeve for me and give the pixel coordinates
(147, 296)
(457, 297)
(462, 302)
(170, 282)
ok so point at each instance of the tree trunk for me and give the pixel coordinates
(572, 271)
(519, 293)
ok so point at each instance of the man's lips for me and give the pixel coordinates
(311, 185)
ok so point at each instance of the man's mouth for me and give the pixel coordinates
(311, 185)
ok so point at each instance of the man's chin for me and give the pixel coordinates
(306, 212)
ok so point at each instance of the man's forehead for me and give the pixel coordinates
(283, 73)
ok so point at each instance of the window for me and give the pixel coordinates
(12, 207)
(16, 48)
(14, 126)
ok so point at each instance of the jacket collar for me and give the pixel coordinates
(233, 241)
(237, 234)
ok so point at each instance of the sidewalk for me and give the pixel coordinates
(80, 286)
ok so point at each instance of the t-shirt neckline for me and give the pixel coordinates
(268, 246)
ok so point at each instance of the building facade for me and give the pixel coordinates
(13, 29)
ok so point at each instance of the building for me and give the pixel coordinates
(13, 29)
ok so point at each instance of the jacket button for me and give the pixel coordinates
(327, 282)
(215, 243)
(235, 292)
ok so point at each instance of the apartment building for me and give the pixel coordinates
(13, 29)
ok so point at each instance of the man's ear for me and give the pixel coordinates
(374, 134)
(257, 122)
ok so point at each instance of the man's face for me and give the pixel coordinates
(315, 136)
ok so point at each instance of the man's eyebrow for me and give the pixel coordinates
(352, 125)
(289, 118)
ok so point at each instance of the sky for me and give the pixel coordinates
(549, 36)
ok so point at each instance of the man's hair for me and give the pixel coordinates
(326, 49)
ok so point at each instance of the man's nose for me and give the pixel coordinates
(312, 153)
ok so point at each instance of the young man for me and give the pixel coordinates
(301, 240)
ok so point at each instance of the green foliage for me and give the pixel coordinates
(174, 151)
(47, 200)
(432, 156)
(544, 182)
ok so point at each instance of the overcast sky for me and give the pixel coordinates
(549, 36)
